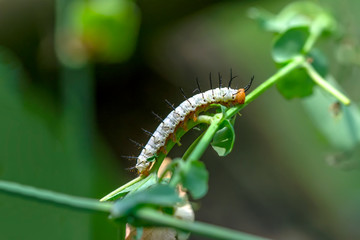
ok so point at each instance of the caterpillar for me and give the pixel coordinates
(188, 109)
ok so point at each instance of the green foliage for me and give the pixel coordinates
(224, 139)
(195, 178)
(289, 44)
(297, 27)
(192, 175)
(298, 83)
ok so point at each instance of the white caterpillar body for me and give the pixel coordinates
(168, 126)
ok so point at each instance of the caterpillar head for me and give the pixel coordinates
(240, 96)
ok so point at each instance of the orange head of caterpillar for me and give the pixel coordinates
(240, 95)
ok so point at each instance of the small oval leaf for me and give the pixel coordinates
(298, 83)
(195, 178)
(289, 44)
(224, 139)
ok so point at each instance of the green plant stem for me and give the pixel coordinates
(54, 197)
(314, 35)
(199, 228)
(295, 63)
(199, 150)
(325, 85)
(151, 216)
(310, 42)
(192, 147)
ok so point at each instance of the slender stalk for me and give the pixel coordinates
(151, 216)
(317, 28)
(325, 85)
(206, 139)
(54, 197)
(192, 147)
(310, 42)
(295, 63)
(203, 229)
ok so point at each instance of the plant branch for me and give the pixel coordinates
(152, 216)
(295, 63)
(325, 85)
(54, 197)
(206, 139)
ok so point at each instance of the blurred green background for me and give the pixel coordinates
(78, 78)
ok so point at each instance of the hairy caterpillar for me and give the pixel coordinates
(190, 108)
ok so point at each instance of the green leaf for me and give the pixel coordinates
(298, 83)
(289, 44)
(219, 108)
(224, 139)
(195, 178)
(319, 61)
(157, 196)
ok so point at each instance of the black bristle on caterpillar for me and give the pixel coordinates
(211, 87)
(136, 143)
(158, 117)
(169, 103)
(220, 80)
(198, 87)
(147, 132)
(231, 78)
(131, 169)
(129, 157)
(183, 93)
(247, 87)
(186, 98)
